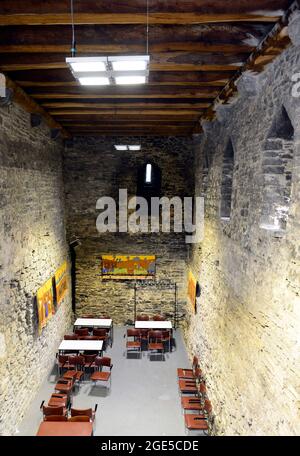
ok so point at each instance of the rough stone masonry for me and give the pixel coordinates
(32, 246)
(246, 331)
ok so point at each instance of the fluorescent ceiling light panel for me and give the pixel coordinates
(120, 147)
(129, 65)
(94, 81)
(87, 64)
(130, 80)
(134, 147)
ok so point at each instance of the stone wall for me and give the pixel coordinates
(93, 169)
(246, 330)
(32, 247)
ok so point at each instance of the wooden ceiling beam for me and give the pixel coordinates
(126, 112)
(126, 48)
(104, 96)
(29, 105)
(185, 84)
(150, 105)
(35, 19)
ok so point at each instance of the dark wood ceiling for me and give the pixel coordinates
(196, 48)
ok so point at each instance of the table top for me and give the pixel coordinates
(94, 322)
(153, 324)
(93, 345)
(65, 428)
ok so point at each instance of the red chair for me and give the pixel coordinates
(194, 403)
(190, 386)
(89, 338)
(64, 386)
(101, 375)
(81, 419)
(102, 334)
(53, 410)
(167, 339)
(199, 421)
(88, 362)
(188, 373)
(155, 343)
(158, 318)
(61, 362)
(89, 413)
(82, 331)
(76, 371)
(71, 337)
(58, 399)
(55, 418)
(133, 341)
(142, 317)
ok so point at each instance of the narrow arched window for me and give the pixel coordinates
(277, 165)
(149, 180)
(227, 179)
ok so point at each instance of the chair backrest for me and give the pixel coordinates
(59, 410)
(198, 372)
(105, 317)
(207, 406)
(166, 334)
(195, 362)
(78, 360)
(99, 332)
(82, 418)
(89, 358)
(155, 335)
(133, 333)
(202, 388)
(87, 316)
(55, 418)
(105, 361)
(82, 331)
(62, 359)
(158, 318)
(82, 412)
(71, 337)
(89, 338)
(142, 317)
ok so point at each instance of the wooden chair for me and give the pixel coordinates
(55, 418)
(101, 375)
(61, 362)
(198, 421)
(142, 317)
(88, 413)
(79, 419)
(155, 343)
(76, 373)
(58, 399)
(71, 337)
(188, 373)
(53, 410)
(64, 386)
(82, 331)
(167, 339)
(133, 341)
(158, 318)
(190, 386)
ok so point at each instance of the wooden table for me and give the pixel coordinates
(153, 325)
(105, 323)
(65, 429)
(81, 345)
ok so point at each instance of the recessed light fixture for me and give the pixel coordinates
(129, 80)
(135, 147)
(126, 147)
(121, 147)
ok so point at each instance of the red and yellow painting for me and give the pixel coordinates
(61, 282)
(192, 290)
(45, 303)
(128, 266)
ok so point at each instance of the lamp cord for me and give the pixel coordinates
(73, 48)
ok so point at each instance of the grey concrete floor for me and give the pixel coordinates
(143, 400)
